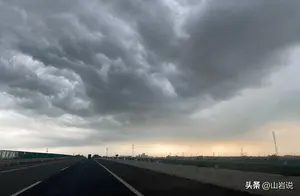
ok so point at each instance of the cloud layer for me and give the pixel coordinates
(129, 67)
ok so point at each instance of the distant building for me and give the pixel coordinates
(143, 155)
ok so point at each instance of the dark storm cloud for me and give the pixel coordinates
(231, 41)
(128, 86)
(126, 58)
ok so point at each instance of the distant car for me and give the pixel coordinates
(95, 156)
(89, 156)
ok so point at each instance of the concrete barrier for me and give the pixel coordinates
(232, 179)
(16, 162)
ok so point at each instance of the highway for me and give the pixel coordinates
(14, 180)
(101, 177)
(15, 164)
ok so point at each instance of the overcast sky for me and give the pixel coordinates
(167, 75)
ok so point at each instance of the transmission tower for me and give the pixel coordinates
(132, 150)
(275, 144)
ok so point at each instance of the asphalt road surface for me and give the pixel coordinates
(85, 179)
(101, 177)
(12, 181)
(25, 164)
(151, 183)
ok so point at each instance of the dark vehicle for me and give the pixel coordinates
(89, 156)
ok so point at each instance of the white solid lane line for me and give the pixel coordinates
(25, 189)
(121, 180)
(64, 169)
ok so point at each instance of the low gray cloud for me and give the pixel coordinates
(231, 42)
(140, 62)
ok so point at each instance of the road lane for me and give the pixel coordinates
(25, 189)
(102, 177)
(152, 183)
(85, 179)
(136, 192)
(16, 180)
(15, 164)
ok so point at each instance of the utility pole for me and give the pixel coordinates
(132, 150)
(275, 144)
(106, 152)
